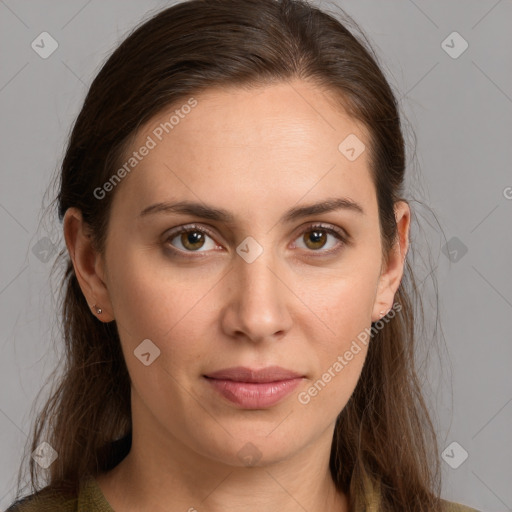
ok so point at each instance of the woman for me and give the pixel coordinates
(238, 307)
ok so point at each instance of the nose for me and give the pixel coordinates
(257, 299)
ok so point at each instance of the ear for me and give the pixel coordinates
(391, 276)
(88, 264)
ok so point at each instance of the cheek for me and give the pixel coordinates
(154, 301)
(344, 307)
(165, 308)
(149, 295)
(342, 301)
(339, 370)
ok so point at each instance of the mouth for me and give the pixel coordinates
(263, 375)
(254, 389)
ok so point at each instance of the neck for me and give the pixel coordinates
(151, 478)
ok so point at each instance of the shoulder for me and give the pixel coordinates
(44, 501)
(89, 499)
(451, 506)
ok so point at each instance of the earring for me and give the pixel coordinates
(98, 310)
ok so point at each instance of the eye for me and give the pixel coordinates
(192, 238)
(315, 238)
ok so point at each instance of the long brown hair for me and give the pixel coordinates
(384, 438)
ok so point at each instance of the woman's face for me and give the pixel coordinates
(257, 286)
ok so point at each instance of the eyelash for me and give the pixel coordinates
(190, 228)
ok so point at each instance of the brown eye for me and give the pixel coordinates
(191, 239)
(316, 238)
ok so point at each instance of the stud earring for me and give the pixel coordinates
(98, 310)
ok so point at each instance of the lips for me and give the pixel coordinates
(249, 388)
(244, 374)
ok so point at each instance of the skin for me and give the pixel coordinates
(257, 154)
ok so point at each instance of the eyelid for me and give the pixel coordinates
(184, 229)
(343, 236)
(342, 233)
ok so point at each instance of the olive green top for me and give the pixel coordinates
(91, 499)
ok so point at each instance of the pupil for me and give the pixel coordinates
(316, 237)
(191, 238)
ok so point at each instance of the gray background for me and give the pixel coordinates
(460, 112)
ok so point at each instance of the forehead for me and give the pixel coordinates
(272, 144)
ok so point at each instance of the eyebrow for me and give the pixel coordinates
(217, 214)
